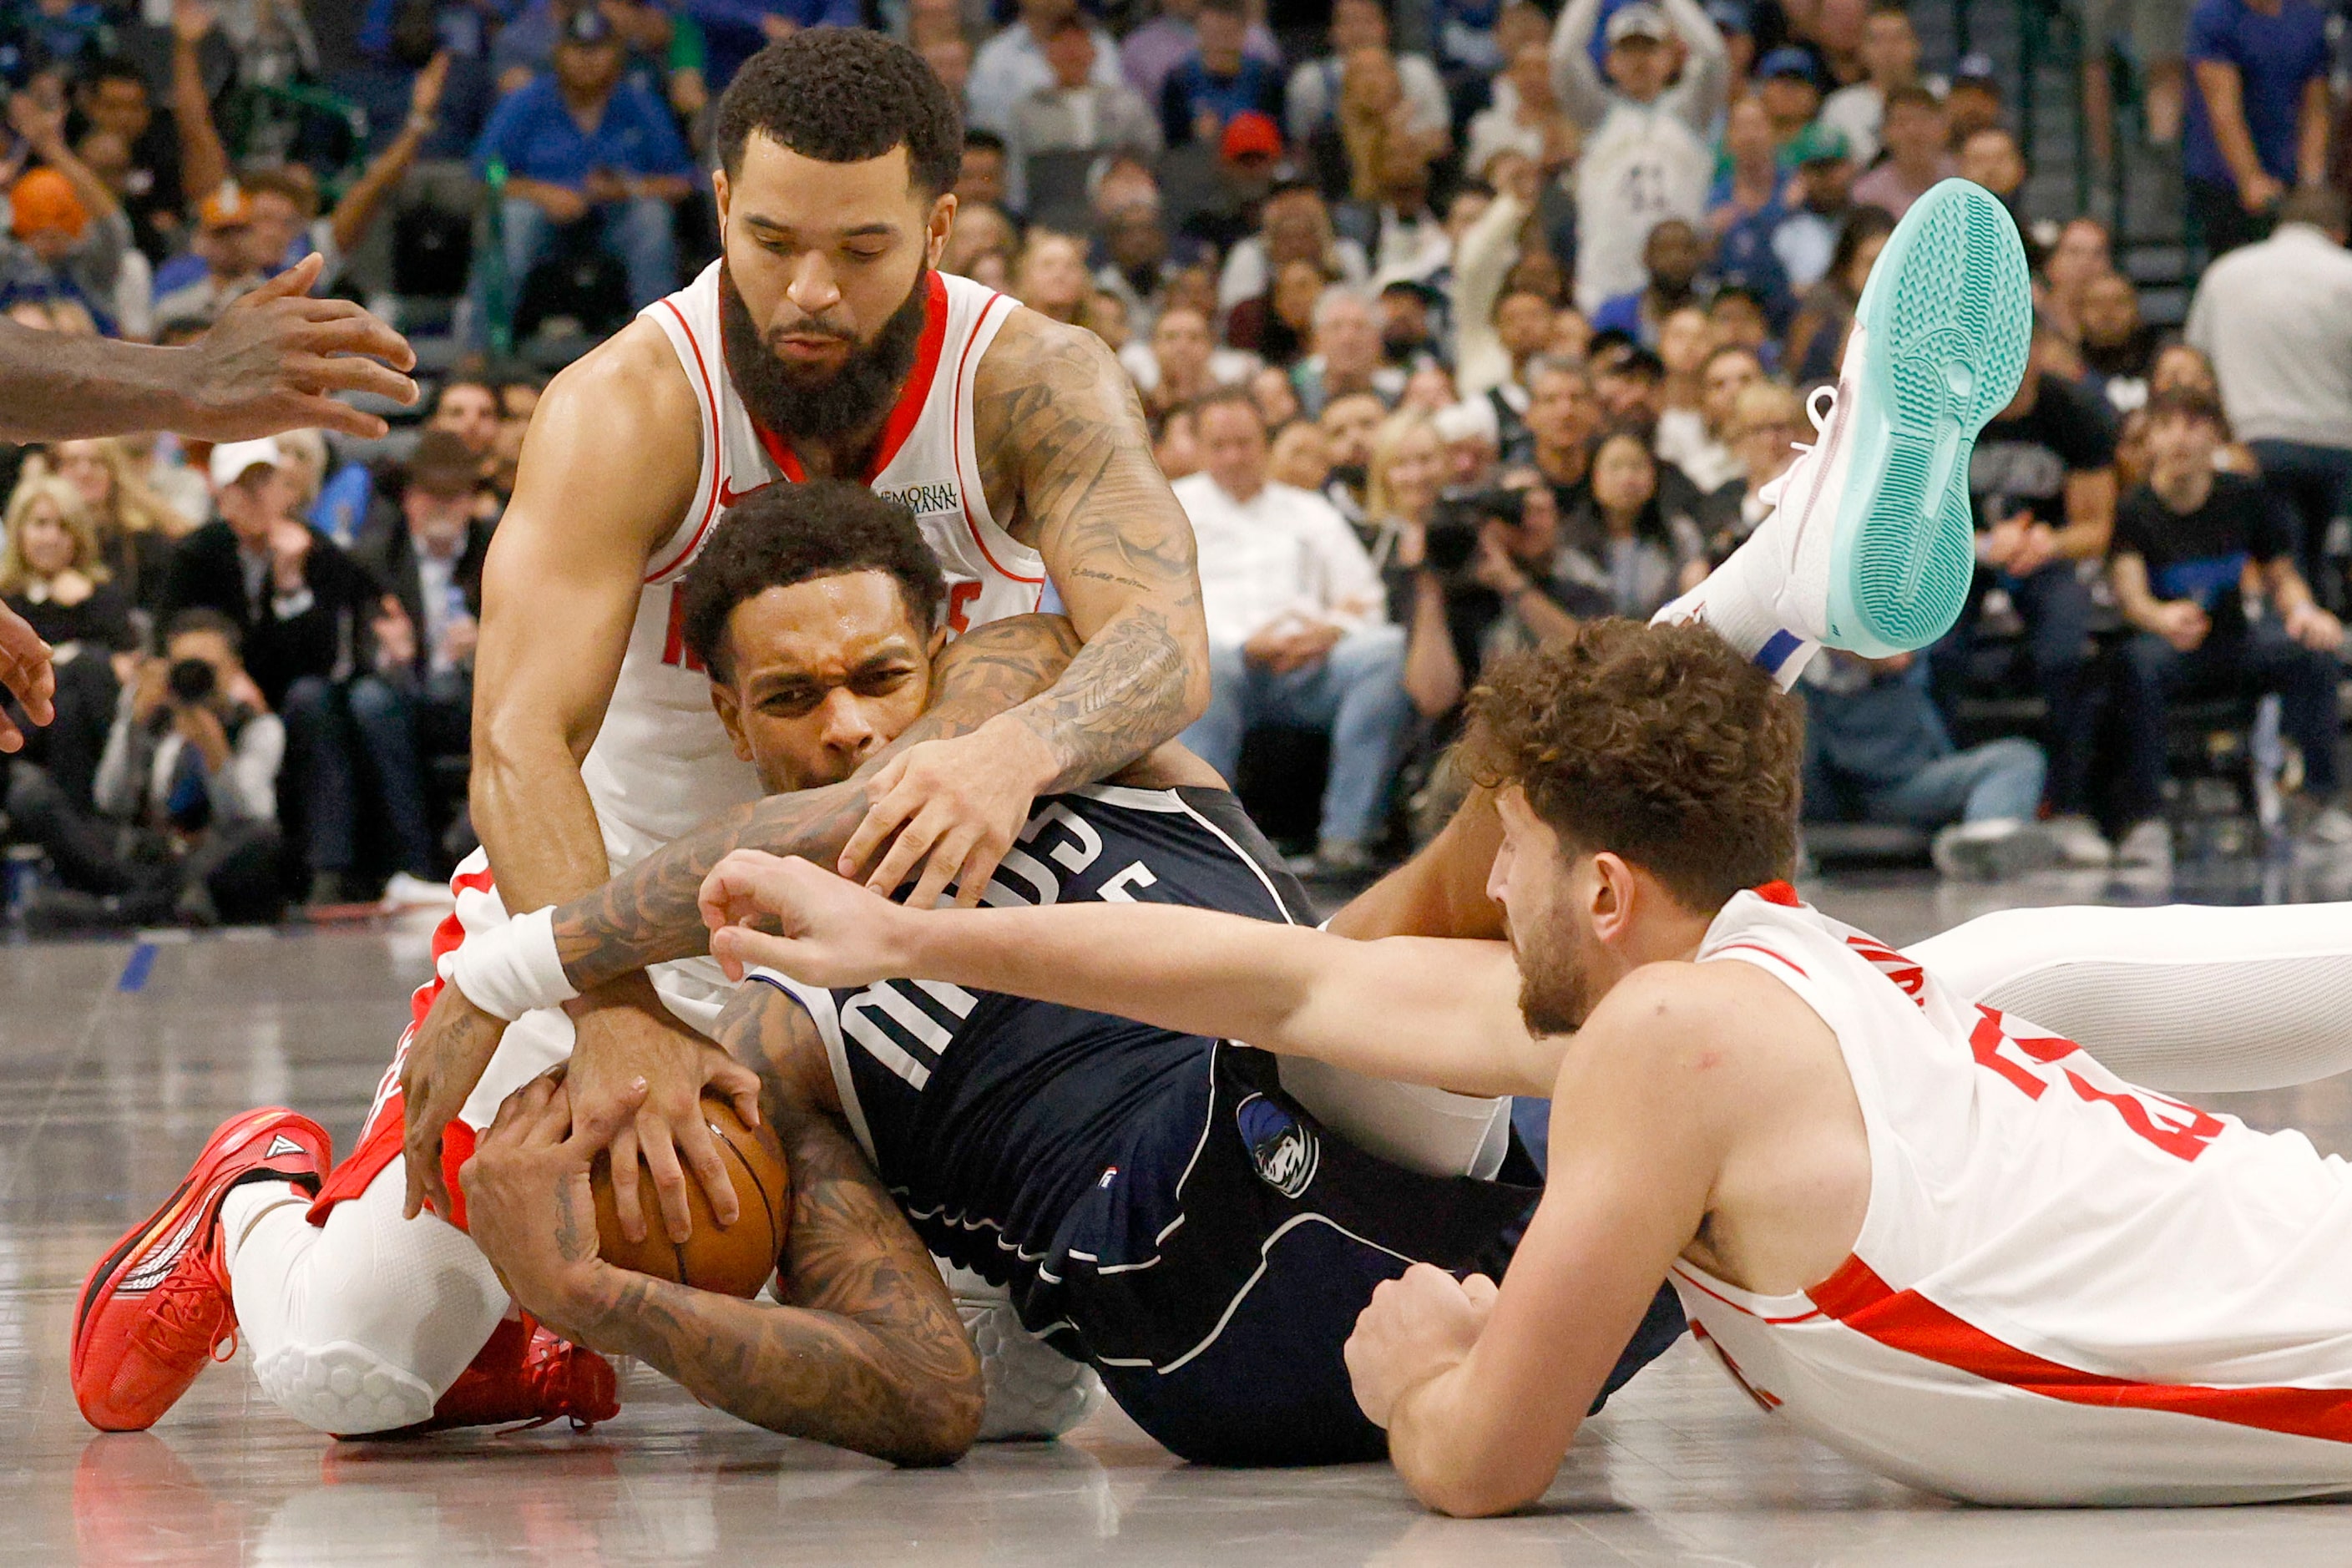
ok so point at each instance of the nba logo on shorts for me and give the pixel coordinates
(1283, 1151)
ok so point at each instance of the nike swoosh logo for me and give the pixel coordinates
(728, 498)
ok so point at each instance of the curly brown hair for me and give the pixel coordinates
(1660, 744)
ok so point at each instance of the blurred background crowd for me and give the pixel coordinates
(1456, 321)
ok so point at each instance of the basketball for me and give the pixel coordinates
(734, 1260)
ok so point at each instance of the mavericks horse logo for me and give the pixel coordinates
(1283, 1148)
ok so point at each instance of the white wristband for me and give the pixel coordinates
(514, 969)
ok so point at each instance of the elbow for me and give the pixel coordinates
(943, 1421)
(1480, 1489)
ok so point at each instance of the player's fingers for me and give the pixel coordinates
(709, 1167)
(1482, 1291)
(519, 1111)
(738, 948)
(660, 1156)
(883, 819)
(626, 1172)
(978, 866)
(296, 279)
(11, 738)
(947, 857)
(738, 1083)
(744, 883)
(906, 852)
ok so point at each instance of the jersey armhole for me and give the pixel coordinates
(672, 555)
(818, 1004)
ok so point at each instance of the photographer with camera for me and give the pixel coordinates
(1484, 585)
(186, 795)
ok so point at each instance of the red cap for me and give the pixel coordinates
(1250, 134)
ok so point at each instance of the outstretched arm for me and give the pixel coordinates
(869, 1354)
(1431, 1012)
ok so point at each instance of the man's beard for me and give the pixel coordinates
(1555, 986)
(837, 402)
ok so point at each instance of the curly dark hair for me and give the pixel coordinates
(785, 533)
(1660, 744)
(844, 95)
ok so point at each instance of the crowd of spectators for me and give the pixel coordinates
(1454, 324)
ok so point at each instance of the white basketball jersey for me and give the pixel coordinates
(662, 763)
(2067, 1289)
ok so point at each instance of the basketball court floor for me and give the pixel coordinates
(118, 1057)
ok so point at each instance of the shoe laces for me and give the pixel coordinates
(1821, 408)
(189, 1310)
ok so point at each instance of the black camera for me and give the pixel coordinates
(192, 682)
(1458, 520)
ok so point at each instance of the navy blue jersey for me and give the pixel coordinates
(991, 1116)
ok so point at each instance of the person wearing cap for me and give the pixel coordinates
(1789, 83)
(427, 559)
(1975, 100)
(1218, 81)
(584, 146)
(1805, 236)
(222, 250)
(66, 233)
(1645, 158)
(1890, 59)
(301, 608)
(1918, 153)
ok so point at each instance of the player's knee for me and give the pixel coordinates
(343, 1389)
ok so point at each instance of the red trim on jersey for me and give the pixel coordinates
(904, 413)
(1779, 892)
(1701, 1287)
(1906, 1320)
(1759, 947)
(718, 451)
(955, 425)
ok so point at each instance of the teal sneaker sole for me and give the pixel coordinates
(1949, 313)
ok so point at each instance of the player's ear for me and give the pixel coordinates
(936, 228)
(720, 190)
(938, 645)
(730, 708)
(1612, 894)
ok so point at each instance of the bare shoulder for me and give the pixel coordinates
(768, 1029)
(1057, 424)
(1693, 1035)
(1032, 346)
(617, 439)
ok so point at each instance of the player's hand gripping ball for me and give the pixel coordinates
(734, 1260)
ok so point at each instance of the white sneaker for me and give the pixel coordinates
(2331, 828)
(2080, 843)
(1033, 1392)
(2148, 847)
(407, 892)
(1873, 524)
(1989, 850)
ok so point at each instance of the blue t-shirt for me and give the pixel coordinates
(538, 140)
(2276, 58)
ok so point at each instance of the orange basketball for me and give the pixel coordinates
(736, 1260)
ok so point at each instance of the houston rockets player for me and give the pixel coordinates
(824, 343)
(1155, 1201)
(1925, 1231)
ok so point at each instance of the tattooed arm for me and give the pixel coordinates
(1066, 457)
(869, 1354)
(648, 914)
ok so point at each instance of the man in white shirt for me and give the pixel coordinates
(1645, 151)
(1297, 632)
(1012, 65)
(2277, 321)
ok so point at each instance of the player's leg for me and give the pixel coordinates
(362, 1323)
(1870, 543)
(2182, 998)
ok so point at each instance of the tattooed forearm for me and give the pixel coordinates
(870, 1354)
(648, 913)
(1064, 433)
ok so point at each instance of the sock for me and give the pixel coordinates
(1735, 603)
(2187, 998)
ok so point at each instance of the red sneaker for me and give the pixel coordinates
(156, 1308)
(526, 1373)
